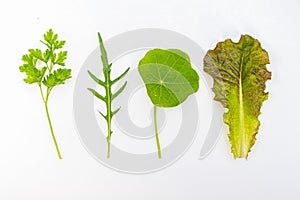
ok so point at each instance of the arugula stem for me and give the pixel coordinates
(108, 110)
(108, 104)
(156, 133)
(109, 117)
(108, 145)
(49, 119)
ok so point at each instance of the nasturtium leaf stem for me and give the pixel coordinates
(156, 133)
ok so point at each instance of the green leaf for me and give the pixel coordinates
(50, 81)
(169, 79)
(59, 44)
(47, 55)
(116, 111)
(62, 74)
(104, 58)
(168, 76)
(50, 37)
(61, 57)
(96, 94)
(107, 84)
(29, 59)
(97, 80)
(104, 116)
(58, 77)
(239, 72)
(33, 74)
(121, 76)
(37, 54)
(119, 91)
(51, 40)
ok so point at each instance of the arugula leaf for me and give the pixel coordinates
(239, 72)
(169, 79)
(109, 96)
(45, 75)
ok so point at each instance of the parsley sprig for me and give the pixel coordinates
(39, 68)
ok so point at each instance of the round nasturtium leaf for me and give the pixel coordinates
(168, 76)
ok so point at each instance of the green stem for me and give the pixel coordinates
(49, 119)
(108, 111)
(52, 132)
(108, 146)
(156, 133)
(108, 105)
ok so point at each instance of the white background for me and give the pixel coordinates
(29, 168)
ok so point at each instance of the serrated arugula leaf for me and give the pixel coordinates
(169, 79)
(39, 68)
(239, 72)
(109, 95)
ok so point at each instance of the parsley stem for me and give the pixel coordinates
(52, 132)
(156, 133)
(49, 119)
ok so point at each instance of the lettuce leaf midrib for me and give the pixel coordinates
(241, 101)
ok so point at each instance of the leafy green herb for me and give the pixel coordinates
(38, 67)
(239, 72)
(169, 79)
(109, 96)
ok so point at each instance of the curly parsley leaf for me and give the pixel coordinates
(39, 68)
(58, 77)
(61, 57)
(37, 53)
